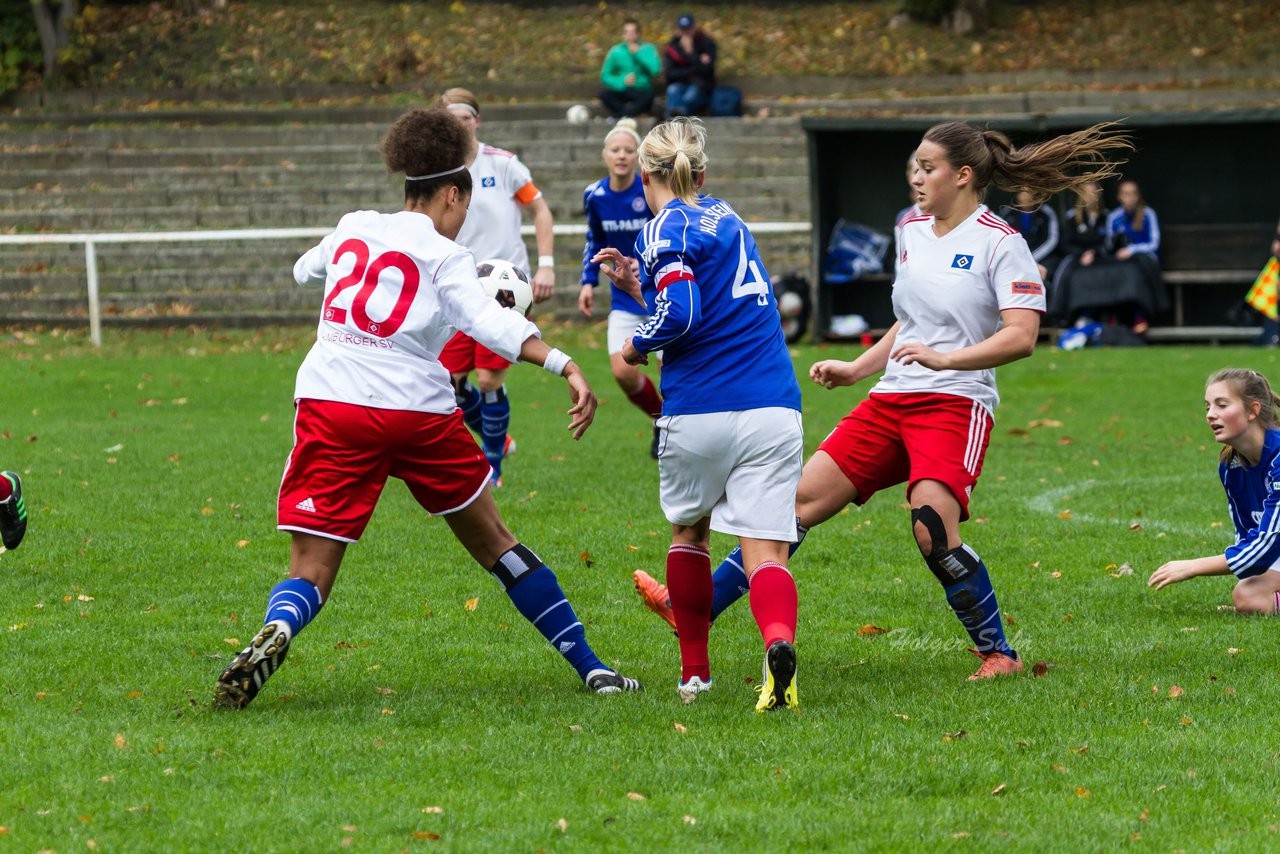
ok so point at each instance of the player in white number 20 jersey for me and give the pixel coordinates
(373, 401)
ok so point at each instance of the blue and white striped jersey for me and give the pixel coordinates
(1253, 497)
(715, 318)
(614, 220)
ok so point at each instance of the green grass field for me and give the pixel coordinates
(405, 721)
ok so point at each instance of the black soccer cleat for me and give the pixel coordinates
(249, 670)
(611, 682)
(778, 686)
(13, 514)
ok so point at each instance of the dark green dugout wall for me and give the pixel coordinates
(1204, 173)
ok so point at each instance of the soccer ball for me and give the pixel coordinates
(793, 311)
(507, 284)
(578, 114)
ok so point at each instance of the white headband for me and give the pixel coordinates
(460, 106)
(434, 174)
(625, 130)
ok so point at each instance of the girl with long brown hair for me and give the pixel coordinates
(1241, 408)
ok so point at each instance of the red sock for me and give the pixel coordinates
(6, 488)
(689, 585)
(774, 602)
(646, 397)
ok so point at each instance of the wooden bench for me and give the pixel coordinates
(1209, 268)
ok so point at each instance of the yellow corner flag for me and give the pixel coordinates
(1263, 295)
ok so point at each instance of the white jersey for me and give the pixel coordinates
(395, 292)
(500, 186)
(948, 294)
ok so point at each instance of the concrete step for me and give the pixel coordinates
(368, 134)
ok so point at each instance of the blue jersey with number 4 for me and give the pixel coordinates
(715, 318)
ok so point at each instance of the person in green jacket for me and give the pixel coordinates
(628, 74)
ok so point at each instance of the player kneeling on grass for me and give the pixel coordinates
(1241, 410)
(374, 401)
(968, 298)
(731, 447)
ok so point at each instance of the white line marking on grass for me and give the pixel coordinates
(1050, 503)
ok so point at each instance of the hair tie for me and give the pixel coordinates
(434, 174)
(460, 105)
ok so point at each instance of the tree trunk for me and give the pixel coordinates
(52, 18)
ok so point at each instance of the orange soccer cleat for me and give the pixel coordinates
(995, 664)
(655, 596)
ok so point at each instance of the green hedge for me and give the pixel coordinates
(19, 43)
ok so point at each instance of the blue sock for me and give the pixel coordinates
(468, 397)
(537, 595)
(296, 601)
(729, 581)
(495, 417)
(974, 601)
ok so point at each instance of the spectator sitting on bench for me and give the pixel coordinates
(1039, 226)
(629, 71)
(689, 63)
(1098, 282)
(1084, 242)
(1133, 235)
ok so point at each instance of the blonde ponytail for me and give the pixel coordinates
(674, 152)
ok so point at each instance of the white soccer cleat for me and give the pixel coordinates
(690, 690)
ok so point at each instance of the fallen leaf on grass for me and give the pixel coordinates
(1065, 514)
(1040, 668)
(636, 796)
(1186, 721)
(690, 820)
(954, 736)
(425, 834)
(121, 742)
(350, 828)
(386, 692)
(231, 641)
(998, 790)
(575, 727)
(433, 810)
(1231, 650)
(473, 603)
(900, 715)
(960, 834)
(563, 825)
(1175, 692)
(1082, 792)
(114, 449)
(84, 598)
(1043, 422)
(1061, 769)
(241, 543)
(871, 630)
(1143, 816)
(680, 727)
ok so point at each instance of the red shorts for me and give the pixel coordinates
(891, 438)
(343, 453)
(463, 354)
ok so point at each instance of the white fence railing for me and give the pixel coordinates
(91, 240)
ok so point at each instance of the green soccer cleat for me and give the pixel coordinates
(778, 688)
(13, 514)
(249, 670)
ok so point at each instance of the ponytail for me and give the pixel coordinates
(1042, 169)
(675, 153)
